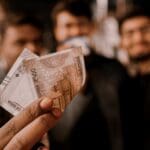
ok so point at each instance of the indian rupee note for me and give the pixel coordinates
(15, 69)
(59, 76)
(13, 81)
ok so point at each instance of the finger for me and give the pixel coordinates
(32, 133)
(18, 122)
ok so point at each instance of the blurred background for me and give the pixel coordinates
(102, 9)
(104, 40)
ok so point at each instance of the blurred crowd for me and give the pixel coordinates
(112, 112)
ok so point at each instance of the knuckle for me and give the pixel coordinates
(45, 120)
(33, 112)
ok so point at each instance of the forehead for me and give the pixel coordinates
(135, 22)
(65, 16)
(25, 30)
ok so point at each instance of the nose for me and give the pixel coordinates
(33, 47)
(138, 36)
(76, 31)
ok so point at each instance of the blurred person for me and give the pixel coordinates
(92, 120)
(134, 28)
(20, 133)
(17, 33)
(135, 39)
(70, 20)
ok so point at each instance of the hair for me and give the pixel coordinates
(3, 4)
(16, 20)
(132, 13)
(76, 8)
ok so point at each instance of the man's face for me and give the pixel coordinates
(16, 38)
(2, 14)
(68, 26)
(135, 36)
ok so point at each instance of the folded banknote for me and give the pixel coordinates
(59, 76)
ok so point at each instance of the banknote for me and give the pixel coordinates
(59, 76)
(16, 68)
(14, 79)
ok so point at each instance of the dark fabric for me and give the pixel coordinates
(90, 132)
(135, 111)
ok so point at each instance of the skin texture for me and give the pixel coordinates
(19, 133)
(68, 26)
(135, 36)
(135, 39)
(16, 38)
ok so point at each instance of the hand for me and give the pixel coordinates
(27, 128)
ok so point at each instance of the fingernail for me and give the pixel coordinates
(56, 112)
(46, 103)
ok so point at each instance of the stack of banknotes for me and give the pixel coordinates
(59, 76)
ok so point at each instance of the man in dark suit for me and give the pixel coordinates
(135, 40)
